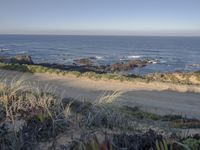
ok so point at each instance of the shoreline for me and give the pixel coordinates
(86, 67)
(176, 81)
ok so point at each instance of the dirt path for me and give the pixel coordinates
(154, 97)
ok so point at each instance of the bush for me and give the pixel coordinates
(192, 143)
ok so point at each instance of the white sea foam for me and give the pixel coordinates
(22, 52)
(99, 57)
(133, 56)
(163, 61)
(153, 61)
(4, 49)
(130, 57)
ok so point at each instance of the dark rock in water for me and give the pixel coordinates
(4, 59)
(20, 59)
(84, 62)
(82, 65)
(87, 64)
(82, 69)
(55, 66)
(92, 58)
(128, 65)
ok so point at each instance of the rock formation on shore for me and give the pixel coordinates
(125, 66)
(20, 59)
(83, 64)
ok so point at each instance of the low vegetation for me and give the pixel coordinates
(176, 78)
(35, 118)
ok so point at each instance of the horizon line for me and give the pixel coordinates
(138, 35)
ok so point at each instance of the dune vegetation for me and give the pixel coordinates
(190, 78)
(35, 118)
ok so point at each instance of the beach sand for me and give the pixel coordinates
(156, 97)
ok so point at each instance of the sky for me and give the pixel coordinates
(100, 17)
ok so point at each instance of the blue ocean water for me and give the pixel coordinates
(166, 53)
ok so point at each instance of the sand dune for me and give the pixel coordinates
(156, 97)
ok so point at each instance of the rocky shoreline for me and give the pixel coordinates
(82, 65)
(88, 68)
(20, 59)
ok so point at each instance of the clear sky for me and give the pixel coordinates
(123, 17)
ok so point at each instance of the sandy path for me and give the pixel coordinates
(154, 97)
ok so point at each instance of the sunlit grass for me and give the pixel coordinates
(175, 78)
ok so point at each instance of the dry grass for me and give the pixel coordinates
(35, 115)
(191, 78)
(19, 96)
(40, 110)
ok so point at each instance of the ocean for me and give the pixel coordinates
(167, 53)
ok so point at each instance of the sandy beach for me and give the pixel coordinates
(160, 98)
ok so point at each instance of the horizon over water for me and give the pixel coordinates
(168, 53)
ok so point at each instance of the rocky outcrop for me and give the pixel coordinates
(125, 66)
(84, 62)
(82, 65)
(117, 67)
(193, 65)
(20, 59)
(88, 64)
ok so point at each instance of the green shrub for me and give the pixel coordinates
(138, 113)
(192, 143)
(76, 73)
